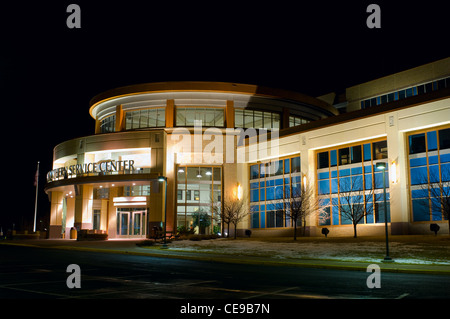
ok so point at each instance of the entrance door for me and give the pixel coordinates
(131, 223)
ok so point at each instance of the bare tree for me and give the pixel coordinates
(354, 202)
(302, 204)
(234, 210)
(436, 192)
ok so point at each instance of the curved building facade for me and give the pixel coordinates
(174, 153)
(108, 182)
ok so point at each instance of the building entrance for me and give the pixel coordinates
(131, 222)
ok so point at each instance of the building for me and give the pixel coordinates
(214, 140)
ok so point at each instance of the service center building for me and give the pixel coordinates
(108, 182)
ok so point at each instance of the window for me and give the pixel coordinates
(349, 177)
(199, 195)
(271, 189)
(108, 125)
(297, 120)
(344, 156)
(379, 150)
(256, 119)
(428, 163)
(96, 219)
(417, 143)
(145, 118)
(322, 160)
(191, 116)
(444, 138)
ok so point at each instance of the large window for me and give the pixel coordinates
(191, 116)
(199, 197)
(404, 93)
(256, 119)
(145, 118)
(348, 175)
(108, 125)
(429, 168)
(271, 186)
(295, 120)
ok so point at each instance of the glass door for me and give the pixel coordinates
(131, 222)
(123, 219)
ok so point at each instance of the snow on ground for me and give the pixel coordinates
(359, 251)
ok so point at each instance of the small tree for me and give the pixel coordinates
(302, 204)
(354, 202)
(234, 210)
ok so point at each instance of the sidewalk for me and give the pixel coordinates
(129, 247)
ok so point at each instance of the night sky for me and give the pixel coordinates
(48, 72)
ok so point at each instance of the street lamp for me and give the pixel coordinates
(382, 166)
(164, 179)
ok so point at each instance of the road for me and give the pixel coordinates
(27, 272)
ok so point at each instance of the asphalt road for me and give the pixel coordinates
(37, 273)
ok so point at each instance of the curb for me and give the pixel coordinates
(319, 263)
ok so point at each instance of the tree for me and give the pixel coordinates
(354, 202)
(302, 204)
(436, 192)
(234, 210)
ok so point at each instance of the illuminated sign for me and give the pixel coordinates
(90, 168)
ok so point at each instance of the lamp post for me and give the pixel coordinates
(382, 166)
(164, 179)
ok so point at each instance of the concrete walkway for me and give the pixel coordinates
(129, 247)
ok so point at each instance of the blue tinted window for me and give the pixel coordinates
(295, 164)
(401, 94)
(432, 140)
(255, 220)
(367, 152)
(270, 193)
(345, 184)
(418, 161)
(333, 158)
(263, 219)
(419, 175)
(324, 187)
(368, 181)
(421, 210)
(409, 92)
(253, 185)
(286, 166)
(433, 159)
(335, 210)
(434, 173)
(262, 170)
(254, 195)
(262, 194)
(254, 173)
(323, 175)
(333, 173)
(279, 192)
(445, 158)
(344, 172)
(334, 185)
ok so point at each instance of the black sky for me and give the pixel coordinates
(48, 73)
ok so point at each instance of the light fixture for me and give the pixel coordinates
(208, 173)
(381, 165)
(161, 178)
(239, 192)
(199, 175)
(180, 170)
(393, 173)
